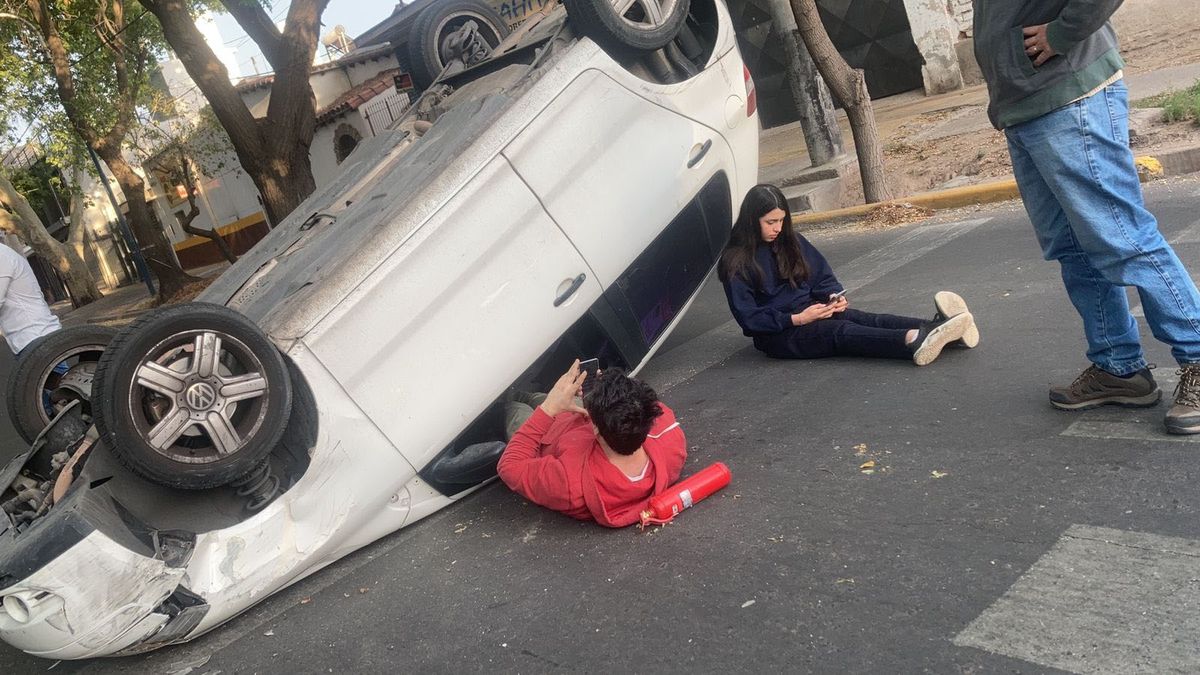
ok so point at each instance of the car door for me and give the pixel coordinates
(614, 168)
(456, 314)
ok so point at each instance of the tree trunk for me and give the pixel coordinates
(150, 237)
(24, 222)
(849, 86)
(273, 151)
(77, 232)
(818, 121)
(283, 191)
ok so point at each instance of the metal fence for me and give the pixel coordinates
(383, 111)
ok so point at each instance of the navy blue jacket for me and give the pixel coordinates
(767, 308)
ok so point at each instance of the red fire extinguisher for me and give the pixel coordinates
(691, 490)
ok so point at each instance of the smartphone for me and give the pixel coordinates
(592, 368)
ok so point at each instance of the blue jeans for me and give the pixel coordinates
(1080, 187)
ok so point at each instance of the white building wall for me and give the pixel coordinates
(935, 34)
(323, 152)
(963, 13)
(328, 85)
(257, 100)
(361, 72)
(324, 162)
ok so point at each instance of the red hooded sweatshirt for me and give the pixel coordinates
(556, 462)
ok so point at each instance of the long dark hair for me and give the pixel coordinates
(738, 259)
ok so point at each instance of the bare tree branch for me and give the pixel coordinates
(189, 185)
(253, 19)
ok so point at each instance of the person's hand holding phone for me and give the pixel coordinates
(814, 312)
(561, 397)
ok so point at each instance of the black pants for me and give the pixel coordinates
(849, 333)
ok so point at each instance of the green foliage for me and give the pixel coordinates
(38, 184)
(31, 94)
(1177, 105)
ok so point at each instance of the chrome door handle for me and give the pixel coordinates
(576, 283)
(700, 155)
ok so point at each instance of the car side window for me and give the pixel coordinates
(664, 277)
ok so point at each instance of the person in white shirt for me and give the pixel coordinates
(24, 314)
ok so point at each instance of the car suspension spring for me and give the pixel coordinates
(260, 486)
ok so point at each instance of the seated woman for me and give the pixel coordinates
(784, 295)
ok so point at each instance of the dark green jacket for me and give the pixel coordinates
(1079, 32)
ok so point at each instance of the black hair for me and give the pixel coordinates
(738, 259)
(622, 408)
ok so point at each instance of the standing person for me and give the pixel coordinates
(600, 462)
(1054, 76)
(24, 314)
(783, 294)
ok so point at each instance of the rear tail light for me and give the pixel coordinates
(751, 94)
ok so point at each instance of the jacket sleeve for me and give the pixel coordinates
(1078, 20)
(541, 480)
(675, 444)
(755, 319)
(820, 275)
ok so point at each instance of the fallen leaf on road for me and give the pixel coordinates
(305, 601)
(747, 604)
(869, 464)
(867, 472)
(848, 580)
(860, 449)
(938, 474)
(363, 590)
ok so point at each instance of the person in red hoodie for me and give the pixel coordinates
(601, 462)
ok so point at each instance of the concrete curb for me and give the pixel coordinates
(1172, 162)
(968, 195)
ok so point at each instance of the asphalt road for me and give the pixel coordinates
(995, 533)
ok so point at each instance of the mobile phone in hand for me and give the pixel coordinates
(592, 368)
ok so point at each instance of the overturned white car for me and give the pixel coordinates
(341, 381)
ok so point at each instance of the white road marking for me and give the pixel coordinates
(1100, 601)
(1131, 424)
(701, 353)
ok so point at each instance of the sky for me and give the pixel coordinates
(356, 15)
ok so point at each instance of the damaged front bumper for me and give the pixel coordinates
(87, 579)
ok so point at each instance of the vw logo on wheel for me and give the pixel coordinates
(200, 396)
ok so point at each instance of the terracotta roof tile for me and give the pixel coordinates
(355, 97)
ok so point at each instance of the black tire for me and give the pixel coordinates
(184, 421)
(631, 32)
(33, 372)
(432, 25)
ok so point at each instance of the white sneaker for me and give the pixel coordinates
(935, 335)
(950, 304)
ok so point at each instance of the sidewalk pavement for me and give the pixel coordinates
(782, 153)
(121, 305)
